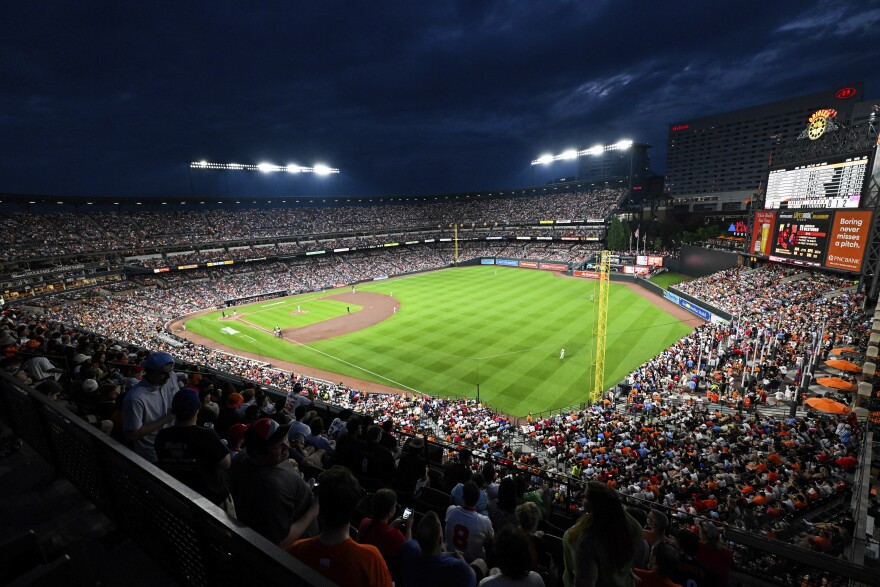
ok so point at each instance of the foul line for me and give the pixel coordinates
(343, 361)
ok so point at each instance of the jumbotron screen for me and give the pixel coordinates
(801, 237)
(834, 183)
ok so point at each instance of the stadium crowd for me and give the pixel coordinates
(53, 234)
(685, 442)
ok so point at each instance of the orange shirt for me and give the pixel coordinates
(346, 563)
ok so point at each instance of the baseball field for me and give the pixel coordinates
(449, 332)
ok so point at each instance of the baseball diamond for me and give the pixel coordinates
(454, 329)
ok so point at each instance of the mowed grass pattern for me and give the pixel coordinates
(501, 328)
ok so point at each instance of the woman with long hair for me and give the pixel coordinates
(599, 549)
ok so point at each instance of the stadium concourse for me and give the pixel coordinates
(701, 440)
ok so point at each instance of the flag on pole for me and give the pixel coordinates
(636, 233)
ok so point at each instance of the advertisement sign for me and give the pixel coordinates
(528, 264)
(218, 263)
(650, 260)
(487, 261)
(507, 262)
(587, 274)
(636, 270)
(801, 237)
(554, 266)
(671, 297)
(849, 236)
(761, 233)
(695, 309)
(184, 267)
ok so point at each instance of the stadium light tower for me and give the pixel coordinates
(317, 169)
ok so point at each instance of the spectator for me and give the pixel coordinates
(603, 541)
(339, 425)
(714, 554)
(528, 516)
(269, 493)
(146, 407)
(458, 470)
(511, 546)
(411, 467)
(333, 553)
(482, 503)
(425, 564)
(192, 454)
(690, 571)
(502, 511)
(656, 528)
(384, 534)
(664, 563)
(466, 530)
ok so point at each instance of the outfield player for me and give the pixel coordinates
(562, 354)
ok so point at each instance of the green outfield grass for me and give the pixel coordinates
(501, 328)
(664, 280)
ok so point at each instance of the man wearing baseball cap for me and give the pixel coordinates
(146, 408)
(269, 493)
(193, 454)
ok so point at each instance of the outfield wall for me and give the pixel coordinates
(544, 264)
(700, 261)
(694, 305)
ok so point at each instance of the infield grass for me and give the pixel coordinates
(497, 327)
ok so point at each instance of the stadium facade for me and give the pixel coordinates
(716, 162)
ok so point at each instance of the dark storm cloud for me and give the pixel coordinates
(405, 97)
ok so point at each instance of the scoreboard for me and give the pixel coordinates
(835, 183)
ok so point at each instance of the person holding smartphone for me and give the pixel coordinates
(383, 533)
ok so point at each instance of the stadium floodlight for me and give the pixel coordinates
(595, 150)
(624, 144)
(319, 169)
(543, 159)
(569, 154)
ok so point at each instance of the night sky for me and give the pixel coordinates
(116, 98)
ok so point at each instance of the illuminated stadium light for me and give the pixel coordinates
(573, 154)
(318, 169)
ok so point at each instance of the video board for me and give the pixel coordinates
(835, 239)
(833, 183)
(801, 237)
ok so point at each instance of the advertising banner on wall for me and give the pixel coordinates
(587, 274)
(554, 266)
(849, 237)
(507, 262)
(636, 270)
(487, 261)
(529, 264)
(762, 232)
